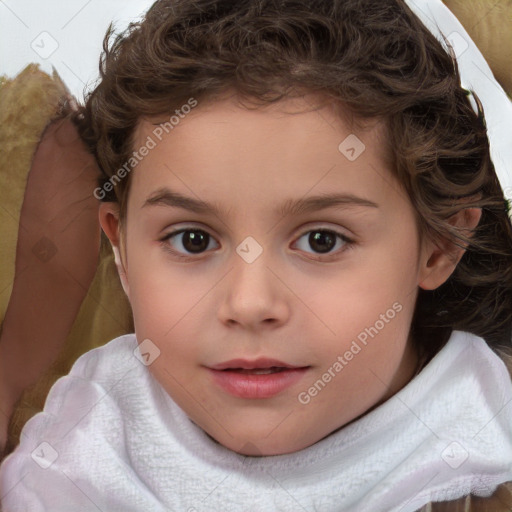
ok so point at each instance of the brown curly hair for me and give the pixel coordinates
(377, 60)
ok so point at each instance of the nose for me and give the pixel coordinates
(253, 296)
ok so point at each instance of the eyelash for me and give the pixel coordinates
(348, 242)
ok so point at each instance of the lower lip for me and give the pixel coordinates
(244, 385)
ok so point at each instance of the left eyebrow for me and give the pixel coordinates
(167, 197)
(321, 202)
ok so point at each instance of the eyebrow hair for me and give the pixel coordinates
(167, 197)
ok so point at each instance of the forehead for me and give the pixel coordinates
(315, 110)
(281, 149)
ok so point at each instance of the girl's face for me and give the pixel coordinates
(293, 242)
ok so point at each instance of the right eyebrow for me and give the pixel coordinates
(167, 197)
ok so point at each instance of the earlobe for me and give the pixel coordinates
(109, 221)
(439, 260)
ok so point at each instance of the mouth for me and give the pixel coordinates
(262, 378)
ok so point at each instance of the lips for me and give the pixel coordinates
(260, 378)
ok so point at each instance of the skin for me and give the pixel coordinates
(292, 303)
(48, 289)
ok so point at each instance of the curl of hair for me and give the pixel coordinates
(378, 61)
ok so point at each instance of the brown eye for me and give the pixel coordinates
(323, 241)
(195, 241)
(188, 241)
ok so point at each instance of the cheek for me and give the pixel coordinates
(173, 310)
(352, 299)
(369, 302)
(164, 295)
(171, 316)
(168, 317)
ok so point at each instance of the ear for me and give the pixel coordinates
(109, 220)
(439, 260)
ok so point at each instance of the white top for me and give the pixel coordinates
(111, 439)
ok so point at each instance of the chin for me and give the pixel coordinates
(259, 443)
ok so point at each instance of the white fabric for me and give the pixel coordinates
(121, 444)
(477, 76)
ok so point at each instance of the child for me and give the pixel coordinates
(317, 253)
